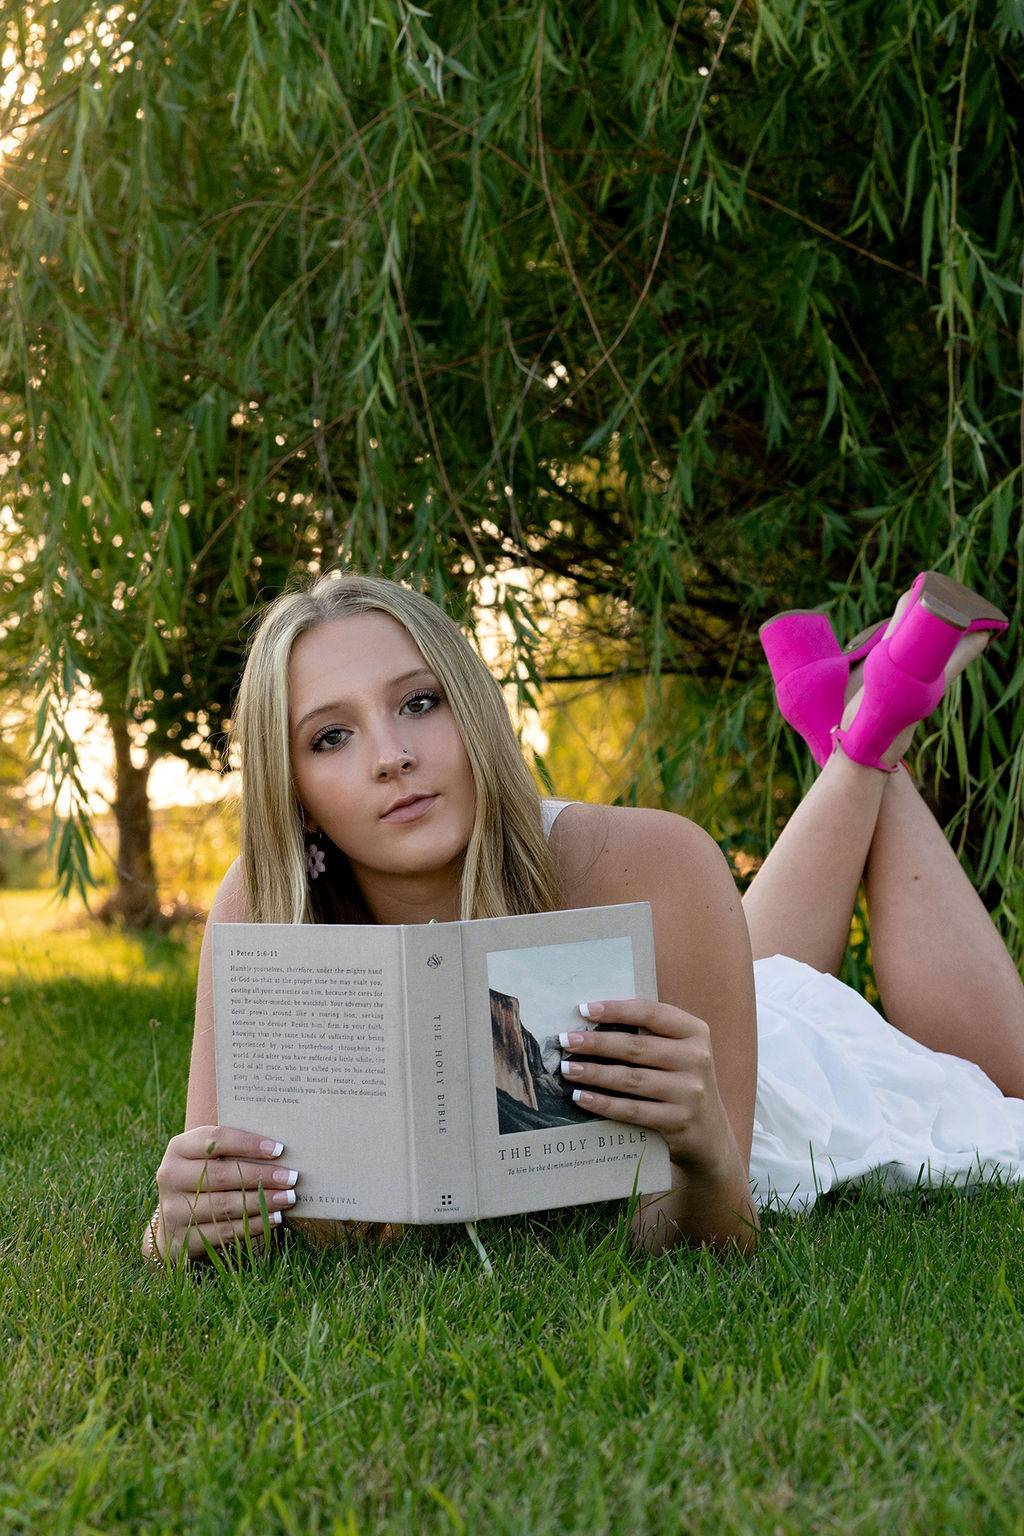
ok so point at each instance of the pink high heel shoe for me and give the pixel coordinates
(904, 676)
(810, 671)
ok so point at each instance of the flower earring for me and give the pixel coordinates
(315, 858)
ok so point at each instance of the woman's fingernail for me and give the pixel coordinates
(591, 1010)
(272, 1148)
(286, 1197)
(571, 1068)
(274, 1219)
(580, 1095)
(569, 1039)
(285, 1176)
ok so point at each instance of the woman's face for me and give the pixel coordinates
(377, 760)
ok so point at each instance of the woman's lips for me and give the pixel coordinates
(409, 809)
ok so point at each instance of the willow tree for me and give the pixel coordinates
(658, 317)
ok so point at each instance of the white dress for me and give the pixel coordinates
(844, 1098)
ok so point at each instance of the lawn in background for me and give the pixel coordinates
(863, 1372)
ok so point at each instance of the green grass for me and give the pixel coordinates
(863, 1372)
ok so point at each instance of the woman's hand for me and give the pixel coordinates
(210, 1184)
(667, 1074)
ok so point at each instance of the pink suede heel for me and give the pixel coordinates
(811, 671)
(904, 676)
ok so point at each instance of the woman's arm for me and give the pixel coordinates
(211, 1176)
(693, 1074)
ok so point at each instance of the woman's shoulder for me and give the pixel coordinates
(613, 853)
(629, 829)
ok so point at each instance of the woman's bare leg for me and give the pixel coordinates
(801, 900)
(944, 975)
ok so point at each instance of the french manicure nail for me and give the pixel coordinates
(286, 1197)
(571, 1068)
(591, 1010)
(272, 1148)
(274, 1219)
(570, 1038)
(285, 1176)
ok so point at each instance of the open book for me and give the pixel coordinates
(412, 1072)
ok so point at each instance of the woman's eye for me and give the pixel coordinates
(421, 703)
(332, 736)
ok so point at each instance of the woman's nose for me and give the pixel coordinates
(393, 759)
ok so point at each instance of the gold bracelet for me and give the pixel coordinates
(155, 1256)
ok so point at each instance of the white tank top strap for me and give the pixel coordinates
(549, 812)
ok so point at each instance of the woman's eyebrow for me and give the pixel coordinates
(342, 704)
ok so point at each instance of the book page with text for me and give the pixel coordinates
(310, 1049)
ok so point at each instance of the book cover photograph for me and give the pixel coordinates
(534, 995)
(412, 1073)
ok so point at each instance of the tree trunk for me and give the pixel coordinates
(135, 903)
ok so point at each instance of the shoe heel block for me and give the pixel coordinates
(791, 640)
(922, 643)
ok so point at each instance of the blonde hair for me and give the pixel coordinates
(508, 866)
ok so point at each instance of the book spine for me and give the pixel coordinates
(443, 1168)
(412, 1181)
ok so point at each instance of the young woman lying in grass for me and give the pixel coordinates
(369, 728)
